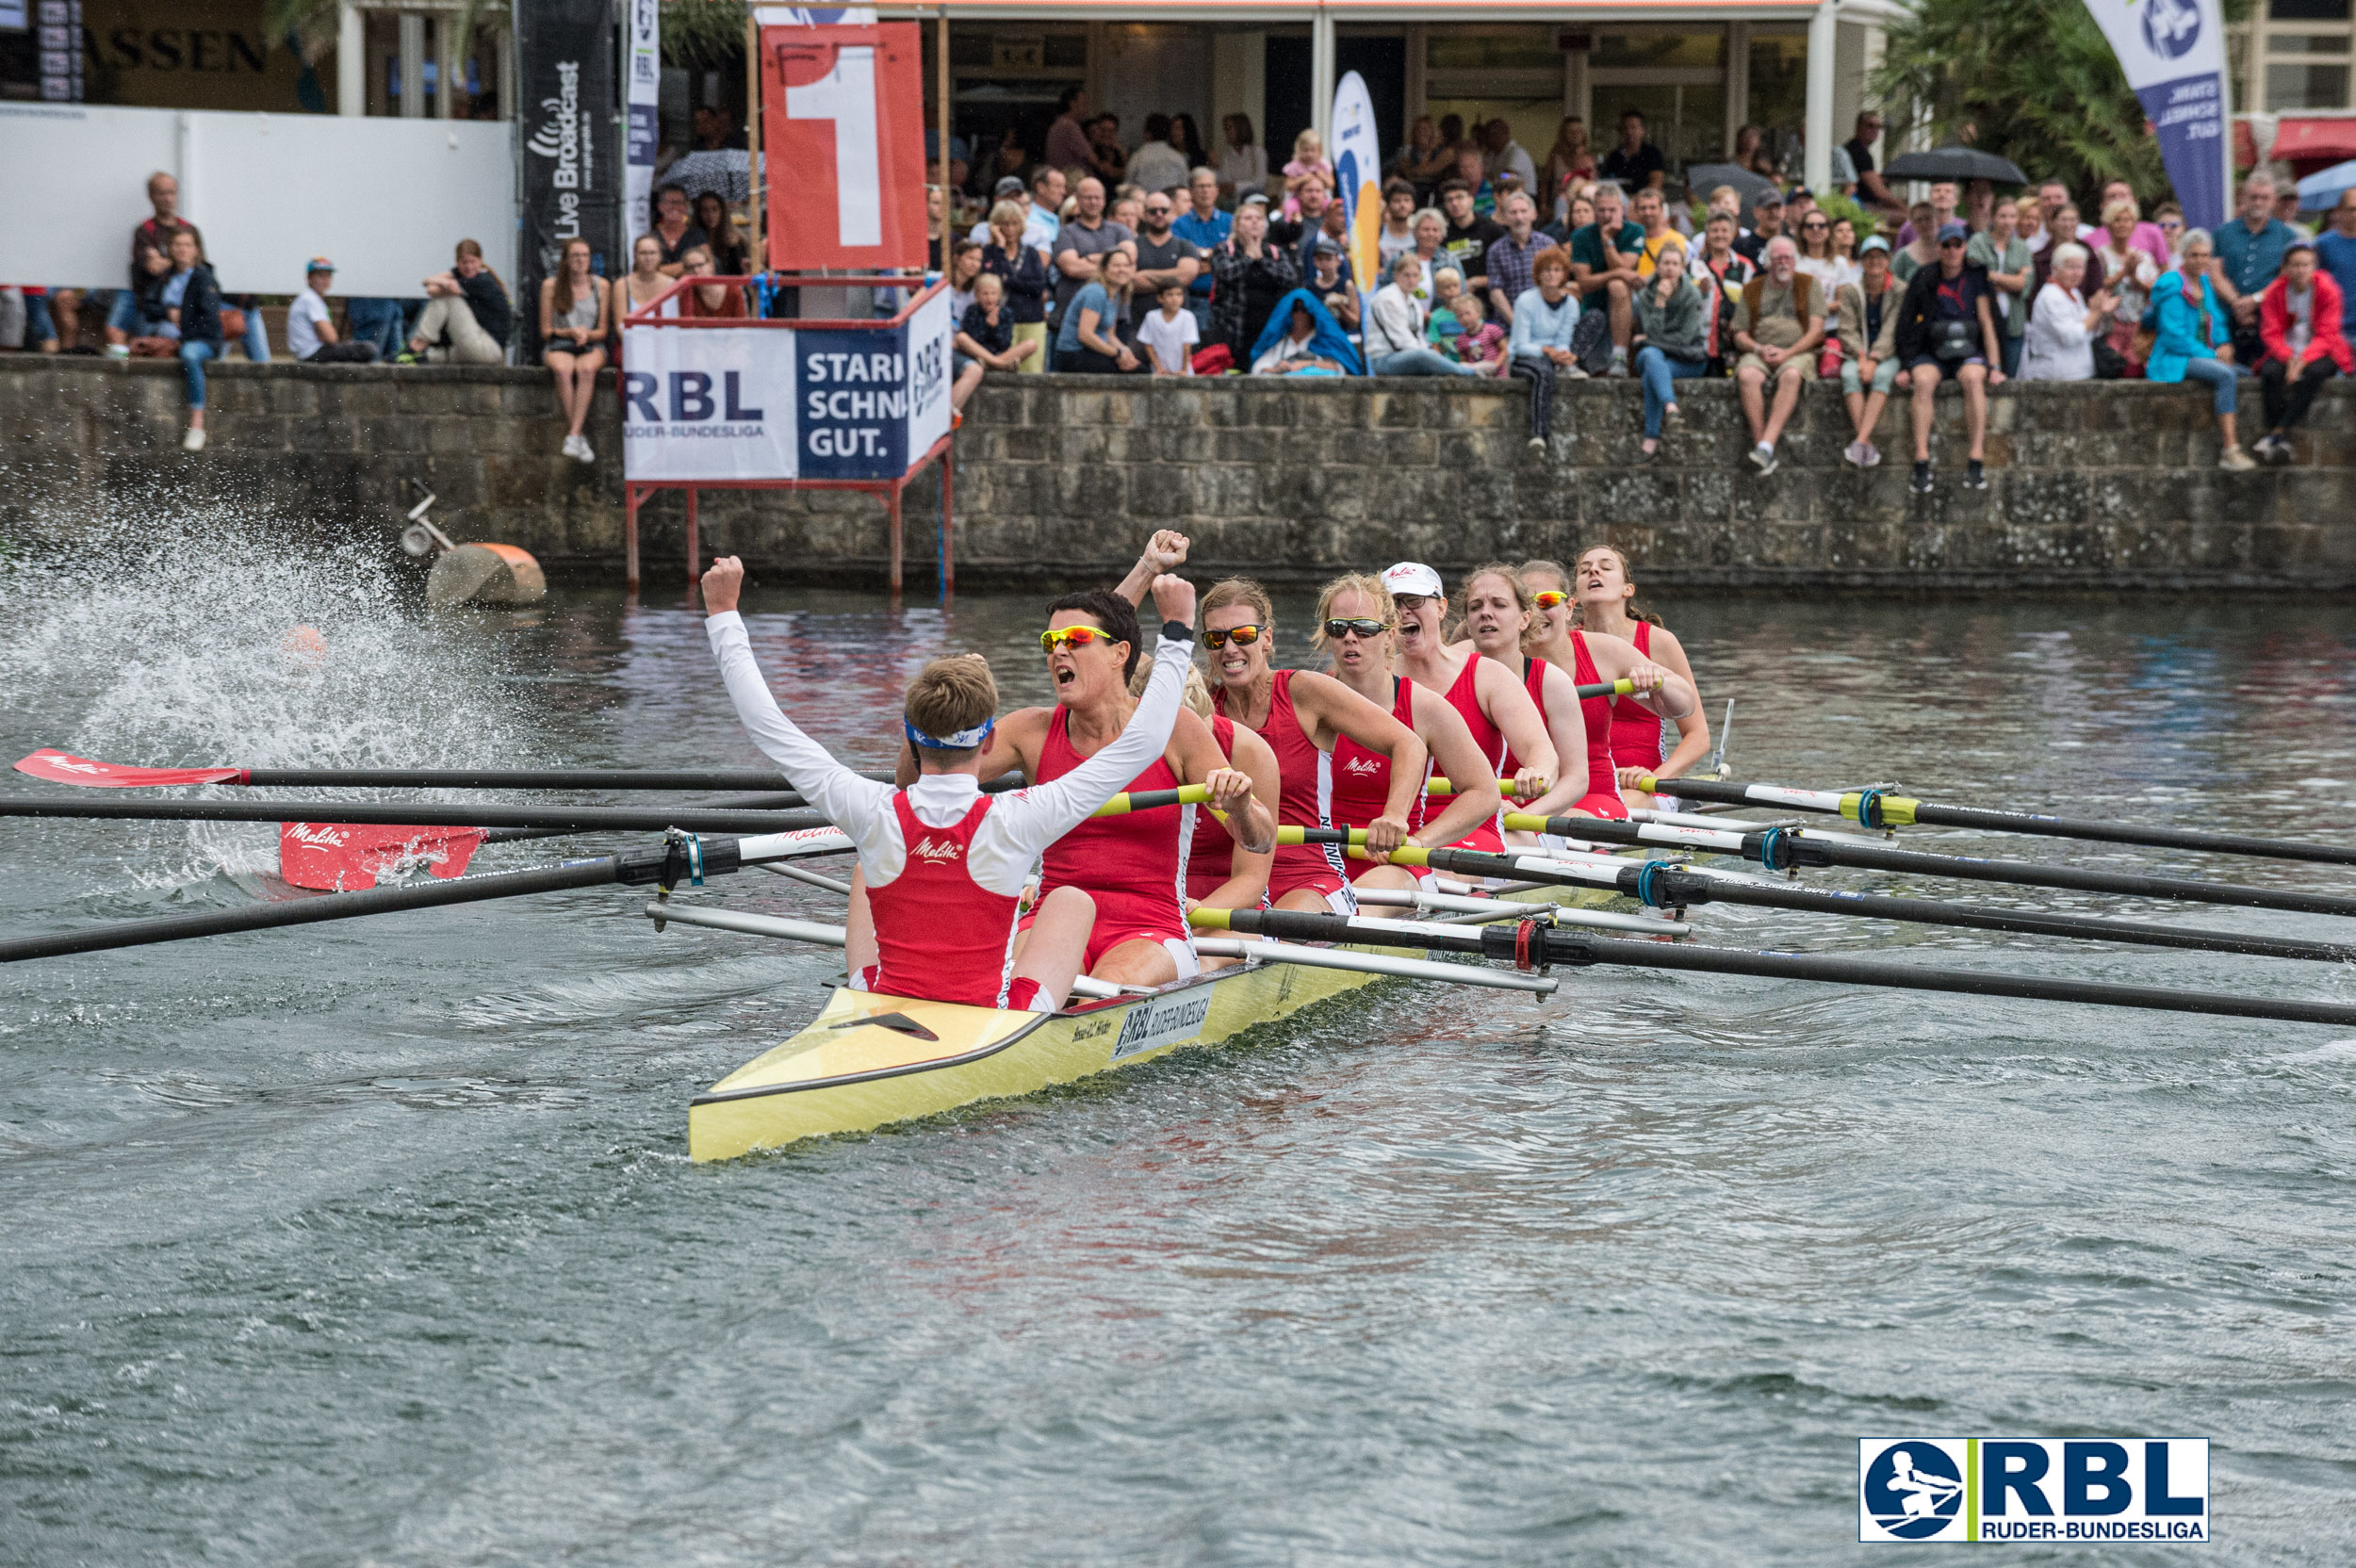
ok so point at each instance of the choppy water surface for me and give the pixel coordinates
(377, 1242)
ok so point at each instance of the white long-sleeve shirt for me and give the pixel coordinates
(2058, 346)
(1020, 822)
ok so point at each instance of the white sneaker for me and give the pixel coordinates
(580, 449)
(1854, 454)
(192, 440)
(571, 446)
(1572, 372)
(1538, 445)
(1873, 455)
(1619, 366)
(1764, 456)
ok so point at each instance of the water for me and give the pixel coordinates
(376, 1242)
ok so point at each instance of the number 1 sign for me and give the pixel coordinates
(844, 137)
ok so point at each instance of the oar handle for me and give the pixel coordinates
(1147, 800)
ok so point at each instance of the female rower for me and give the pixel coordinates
(1221, 873)
(1494, 707)
(1357, 629)
(1591, 656)
(1642, 742)
(1497, 618)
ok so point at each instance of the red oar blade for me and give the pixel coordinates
(63, 768)
(335, 856)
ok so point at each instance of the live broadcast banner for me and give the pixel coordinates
(568, 170)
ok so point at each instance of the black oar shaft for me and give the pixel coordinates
(785, 802)
(1780, 851)
(580, 818)
(516, 778)
(1578, 948)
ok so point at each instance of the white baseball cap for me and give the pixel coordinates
(1413, 577)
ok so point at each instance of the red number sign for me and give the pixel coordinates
(842, 129)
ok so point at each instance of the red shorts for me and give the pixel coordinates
(1328, 884)
(1608, 807)
(1360, 868)
(1127, 917)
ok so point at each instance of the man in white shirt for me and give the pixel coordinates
(1157, 165)
(1502, 155)
(310, 328)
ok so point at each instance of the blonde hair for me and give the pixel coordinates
(1241, 589)
(950, 694)
(1196, 694)
(1353, 583)
(1008, 212)
(1308, 145)
(2118, 207)
(1490, 568)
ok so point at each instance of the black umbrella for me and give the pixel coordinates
(1954, 163)
(1703, 178)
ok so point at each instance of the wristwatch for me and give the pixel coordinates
(1178, 631)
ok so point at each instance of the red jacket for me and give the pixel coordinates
(2274, 322)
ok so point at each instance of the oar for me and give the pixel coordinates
(1878, 809)
(1662, 886)
(1531, 945)
(1147, 800)
(803, 931)
(1373, 963)
(577, 819)
(1785, 848)
(679, 859)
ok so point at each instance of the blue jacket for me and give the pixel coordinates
(2177, 323)
(1329, 339)
(1539, 326)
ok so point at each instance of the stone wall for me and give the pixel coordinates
(2092, 486)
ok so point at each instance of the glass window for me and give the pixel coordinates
(2307, 10)
(1703, 47)
(2306, 87)
(1520, 48)
(1779, 82)
(2307, 43)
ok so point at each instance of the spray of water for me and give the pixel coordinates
(203, 635)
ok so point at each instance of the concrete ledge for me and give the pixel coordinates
(2109, 486)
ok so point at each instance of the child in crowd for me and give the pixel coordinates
(1170, 332)
(1308, 158)
(1441, 327)
(1480, 343)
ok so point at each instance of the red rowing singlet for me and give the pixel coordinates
(1534, 682)
(1304, 796)
(1638, 739)
(1362, 778)
(1212, 860)
(1603, 785)
(1134, 865)
(939, 934)
(1464, 696)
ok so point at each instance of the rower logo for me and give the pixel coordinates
(938, 851)
(1362, 766)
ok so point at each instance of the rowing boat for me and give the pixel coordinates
(868, 1061)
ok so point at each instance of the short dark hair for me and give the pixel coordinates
(1450, 186)
(1109, 611)
(1158, 124)
(1633, 112)
(1063, 104)
(1044, 172)
(664, 189)
(1393, 186)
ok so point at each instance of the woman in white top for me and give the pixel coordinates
(2063, 323)
(1243, 162)
(1844, 253)
(2128, 272)
(1817, 258)
(647, 282)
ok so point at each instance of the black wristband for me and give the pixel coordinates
(1178, 631)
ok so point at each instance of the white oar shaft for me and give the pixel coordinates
(764, 847)
(807, 931)
(779, 868)
(1482, 911)
(1372, 963)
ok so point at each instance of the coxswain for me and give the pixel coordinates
(1642, 741)
(1134, 865)
(1497, 617)
(1590, 656)
(941, 866)
(1496, 707)
(1303, 716)
(1356, 627)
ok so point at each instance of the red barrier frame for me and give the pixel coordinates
(635, 493)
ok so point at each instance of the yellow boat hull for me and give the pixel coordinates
(868, 1060)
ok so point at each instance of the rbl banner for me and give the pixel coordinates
(842, 129)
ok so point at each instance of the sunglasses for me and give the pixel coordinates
(1549, 598)
(1243, 636)
(1956, 243)
(2170, 223)
(1366, 629)
(1410, 601)
(1816, 223)
(1078, 636)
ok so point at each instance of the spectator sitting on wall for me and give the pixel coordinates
(2011, 268)
(1507, 264)
(1671, 339)
(673, 230)
(2129, 271)
(1635, 163)
(1866, 317)
(1158, 165)
(2145, 237)
(2249, 253)
(2335, 252)
(1920, 252)
(2301, 320)
(1301, 339)
(1781, 326)
(2193, 339)
(1651, 214)
(1721, 269)
(1066, 135)
(1481, 346)
(2064, 321)
(576, 319)
(985, 339)
(1083, 243)
(1170, 332)
(1947, 332)
(1429, 229)
(708, 300)
(1607, 267)
(1540, 347)
(1021, 268)
(139, 312)
(1093, 330)
(1329, 280)
(1723, 199)
(1501, 155)
(194, 302)
(729, 252)
(1766, 222)
(1107, 160)
(465, 308)
(1242, 162)
(1469, 235)
(1394, 328)
(2067, 221)
(1252, 275)
(310, 330)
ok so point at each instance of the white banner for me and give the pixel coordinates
(1357, 156)
(642, 88)
(709, 404)
(2173, 52)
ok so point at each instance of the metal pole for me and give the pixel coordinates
(631, 498)
(948, 214)
(695, 545)
(757, 244)
(948, 540)
(892, 506)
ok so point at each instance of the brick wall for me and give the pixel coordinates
(2095, 486)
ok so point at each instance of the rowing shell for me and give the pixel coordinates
(870, 1060)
